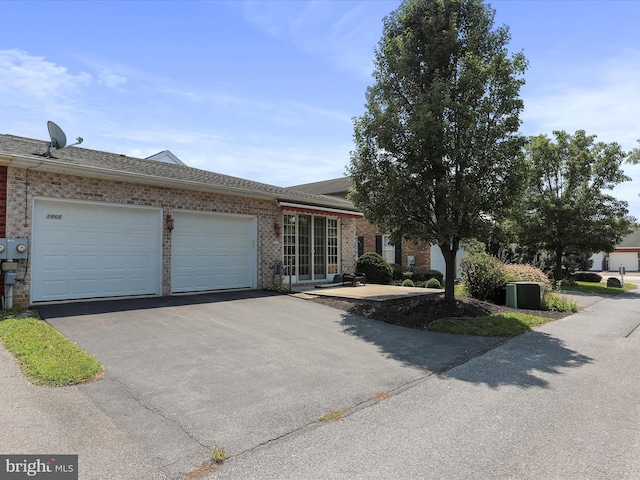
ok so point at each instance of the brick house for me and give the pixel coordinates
(104, 225)
(370, 238)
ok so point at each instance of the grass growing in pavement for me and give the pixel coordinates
(598, 288)
(46, 356)
(503, 325)
(332, 416)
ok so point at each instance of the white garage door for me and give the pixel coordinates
(212, 252)
(89, 250)
(628, 259)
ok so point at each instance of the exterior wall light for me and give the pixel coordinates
(169, 220)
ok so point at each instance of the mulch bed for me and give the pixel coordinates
(419, 312)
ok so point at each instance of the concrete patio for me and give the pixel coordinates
(373, 293)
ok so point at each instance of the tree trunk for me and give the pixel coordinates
(449, 253)
(557, 272)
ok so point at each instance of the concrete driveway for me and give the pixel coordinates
(238, 370)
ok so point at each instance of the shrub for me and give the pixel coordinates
(483, 276)
(398, 271)
(559, 303)
(408, 283)
(423, 274)
(588, 277)
(375, 267)
(526, 273)
(566, 282)
(433, 283)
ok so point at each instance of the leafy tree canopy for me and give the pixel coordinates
(567, 208)
(438, 153)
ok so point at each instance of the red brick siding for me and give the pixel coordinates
(3, 213)
(369, 232)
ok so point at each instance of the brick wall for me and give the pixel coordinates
(370, 231)
(3, 213)
(36, 183)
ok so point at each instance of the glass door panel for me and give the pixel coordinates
(319, 248)
(304, 247)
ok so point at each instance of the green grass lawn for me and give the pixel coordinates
(598, 288)
(46, 356)
(503, 325)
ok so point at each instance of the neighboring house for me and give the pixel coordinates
(370, 238)
(104, 225)
(626, 253)
(167, 157)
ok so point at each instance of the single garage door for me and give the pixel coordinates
(212, 252)
(91, 250)
(628, 259)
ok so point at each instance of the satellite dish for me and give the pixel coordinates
(58, 138)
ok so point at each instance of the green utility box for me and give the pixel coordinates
(512, 295)
(526, 295)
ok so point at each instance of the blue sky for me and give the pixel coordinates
(267, 90)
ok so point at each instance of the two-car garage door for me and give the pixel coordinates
(89, 250)
(83, 250)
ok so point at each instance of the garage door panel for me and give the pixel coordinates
(628, 259)
(84, 263)
(55, 288)
(211, 252)
(86, 287)
(90, 250)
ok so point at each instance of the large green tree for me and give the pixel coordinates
(437, 151)
(568, 207)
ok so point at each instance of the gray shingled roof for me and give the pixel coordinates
(326, 187)
(85, 162)
(630, 241)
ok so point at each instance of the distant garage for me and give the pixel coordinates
(93, 250)
(213, 252)
(627, 259)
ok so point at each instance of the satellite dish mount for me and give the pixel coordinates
(58, 139)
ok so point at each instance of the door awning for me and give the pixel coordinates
(314, 210)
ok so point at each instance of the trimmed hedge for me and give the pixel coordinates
(433, 283)
(375, 267)
(588, 277)
(422, 274)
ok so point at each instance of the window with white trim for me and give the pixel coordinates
(388, 250)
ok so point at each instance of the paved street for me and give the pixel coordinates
(560, 402)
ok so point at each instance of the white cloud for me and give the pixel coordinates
(343, 32)
(605, 102)
(25, 77)
(111, 80)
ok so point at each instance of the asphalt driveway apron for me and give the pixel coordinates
(237, 370)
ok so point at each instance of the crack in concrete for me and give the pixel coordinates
(155, 411)
(373, 401)
(632, 330)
